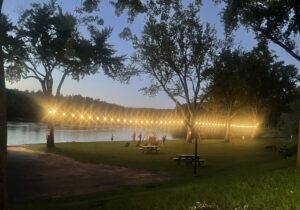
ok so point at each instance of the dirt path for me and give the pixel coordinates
(33, 175)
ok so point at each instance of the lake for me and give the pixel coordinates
(19, 133)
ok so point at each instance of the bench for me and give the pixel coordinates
(188, 159)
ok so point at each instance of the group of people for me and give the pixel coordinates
(164, 138)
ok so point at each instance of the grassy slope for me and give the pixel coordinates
(235, 174)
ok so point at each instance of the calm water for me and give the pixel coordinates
(32, 133)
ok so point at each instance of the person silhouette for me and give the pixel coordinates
(112, 137)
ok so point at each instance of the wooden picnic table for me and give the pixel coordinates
(188, 158)
(150, 148)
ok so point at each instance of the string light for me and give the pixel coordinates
(150, 121)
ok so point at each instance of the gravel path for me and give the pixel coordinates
(38, 175)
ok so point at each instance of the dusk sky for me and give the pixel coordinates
(104, 88)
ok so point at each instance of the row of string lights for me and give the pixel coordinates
(56, 115)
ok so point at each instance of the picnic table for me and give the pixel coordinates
(188, 159)
(150, 148)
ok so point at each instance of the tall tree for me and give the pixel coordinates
(278, 21)
(226, 86)
(52, 42)
(270, 84)
(174, 50)
(3, 129)
(254, 82)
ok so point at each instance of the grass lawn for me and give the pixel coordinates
(241, 175)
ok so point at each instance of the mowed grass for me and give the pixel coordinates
(238, 174)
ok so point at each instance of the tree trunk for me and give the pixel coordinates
(3, 131)
(254, 119)
(227, 137)
(253, 133)
(50, 135)
(50, 124)
(189, 135)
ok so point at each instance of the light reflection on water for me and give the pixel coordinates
(32, 133)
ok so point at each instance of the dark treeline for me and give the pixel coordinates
(31, 106)
(22, 106)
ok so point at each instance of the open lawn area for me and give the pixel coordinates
(236, 175)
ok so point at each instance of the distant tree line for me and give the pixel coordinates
(28, 106)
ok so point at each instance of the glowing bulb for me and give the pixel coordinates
(90, 117)
(73, 115)
(104, 118)
(64, 114)
(97, 118)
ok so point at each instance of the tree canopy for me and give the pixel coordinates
(50, 40)
(278, 21)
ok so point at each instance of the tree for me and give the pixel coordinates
(289, 119)
(271, 84)
(278, 21)
(133, 7)
(255, 82)
(5, 26)
(173, 51)
(226, 86)
(3, 128)
(52, 42)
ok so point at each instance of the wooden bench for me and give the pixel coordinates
(188, 159)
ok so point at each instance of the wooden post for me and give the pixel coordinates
(298, 151)
(196, 155)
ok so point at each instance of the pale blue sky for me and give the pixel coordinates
(104, 88)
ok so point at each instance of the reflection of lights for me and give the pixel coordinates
(64, 114)
(90, 117)
(73, 115)
(118, 120)
(97, 118)
(81, 116)
(104, 118)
